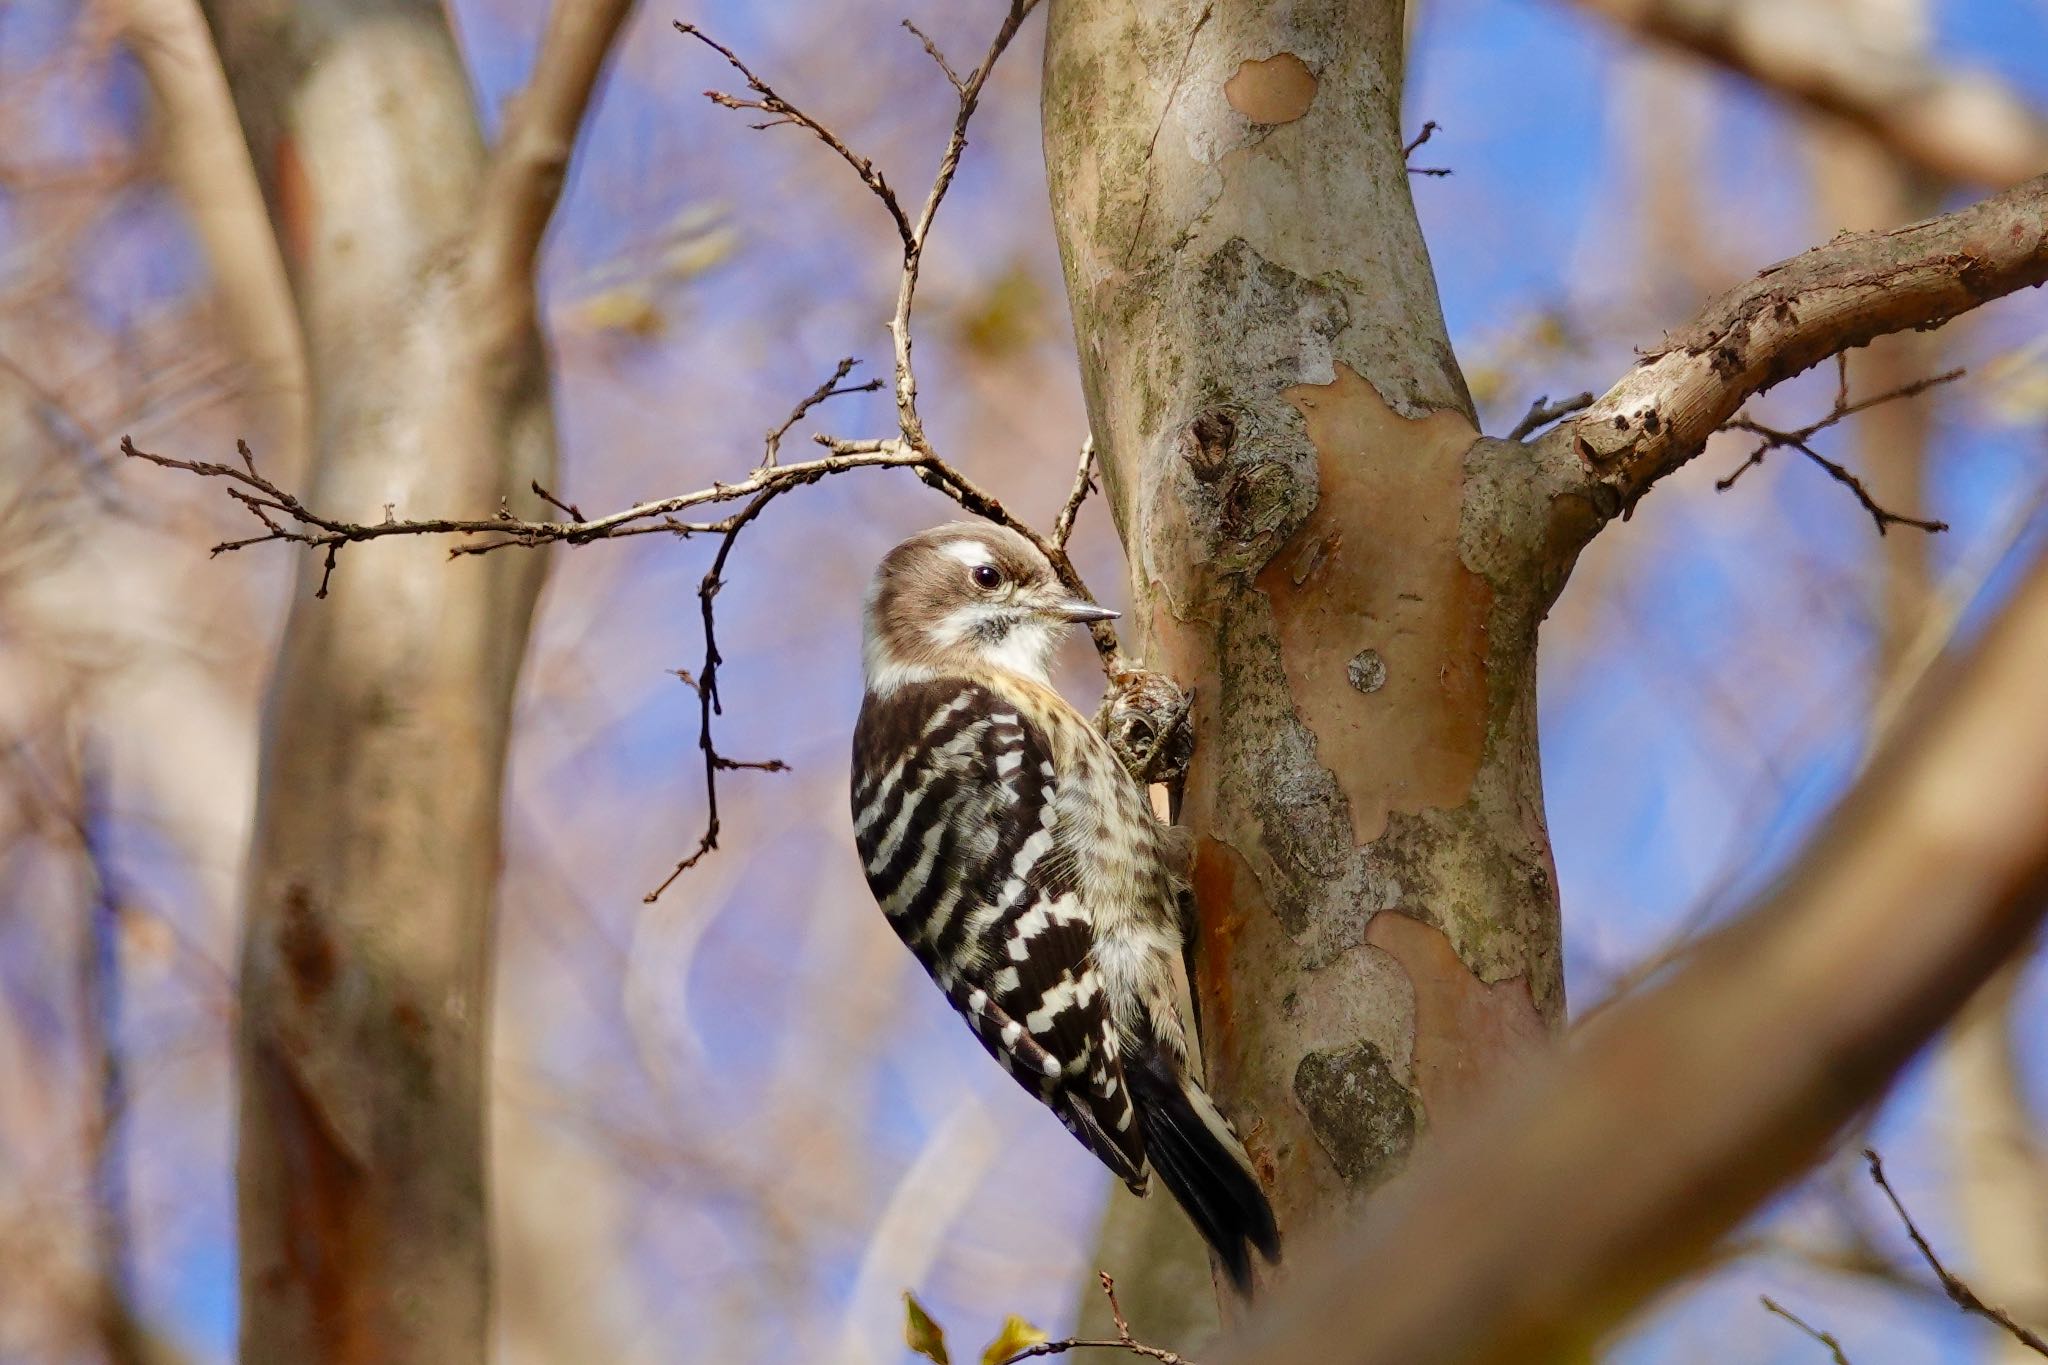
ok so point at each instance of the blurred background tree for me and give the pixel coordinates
(734, 1125)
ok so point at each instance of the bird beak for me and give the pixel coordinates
(1077, 612)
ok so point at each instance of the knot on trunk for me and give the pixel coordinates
(1144, 716)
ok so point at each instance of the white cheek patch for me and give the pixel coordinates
(1027, 649)
(960, 624)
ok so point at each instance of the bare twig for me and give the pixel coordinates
(708, 704)
(285, 518)
(1790, 317)
(1959, 1293)
(969, 92)
(1084, 483)
(1826, 1339)
(1428, 130)
(1124, 1340)
(1771, 438)
(932, 49)
(567, 509)
(1542, 412)
(782, 111)
(772, 445)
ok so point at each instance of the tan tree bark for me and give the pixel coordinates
(1681, 1109)
(1320, 547)
(1347, 575)
(367, 934)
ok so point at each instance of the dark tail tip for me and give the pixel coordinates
(1204, 1169)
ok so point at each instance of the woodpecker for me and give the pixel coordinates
(1025, 870)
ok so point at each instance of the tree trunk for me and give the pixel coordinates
(367, 935)
(1325, 551)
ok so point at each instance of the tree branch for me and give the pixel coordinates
(1084, 484)
(1826, 1339)
(1614, 1168)
(1959, 1293)
(207, 159)
(1789, 318)
(1123, 1341)
(1771, 438)
(531, 163)
(525, 181)
(1957, 125)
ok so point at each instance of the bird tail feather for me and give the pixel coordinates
(1192, 1146)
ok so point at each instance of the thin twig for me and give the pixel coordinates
(285, 518)
(932, 48)
(567, 509)
(706, 685)
(1771, 438)
(785, 112)
(1826, 1339)
(1084, 483)
(1543, 412)
(1124, 1340)
(771, 446)
(1428, 130)
(1958, 1292)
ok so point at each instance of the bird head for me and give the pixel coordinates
(966, 597)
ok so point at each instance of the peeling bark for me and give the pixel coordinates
(1588, 1186)
(1326, 552)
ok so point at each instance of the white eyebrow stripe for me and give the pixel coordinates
(968, 552)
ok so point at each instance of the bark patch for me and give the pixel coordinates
(309, 958)
(1376, 568)
(1360, 1111)
(1279, 89)
(1224, 889)
(1464, 1027)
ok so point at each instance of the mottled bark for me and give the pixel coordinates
(1595, 1183)
(1323, 548)
(367, 935)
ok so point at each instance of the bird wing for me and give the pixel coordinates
(955, 794)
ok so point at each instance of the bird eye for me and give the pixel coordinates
(987, 577)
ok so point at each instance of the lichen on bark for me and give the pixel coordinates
(1293, 464)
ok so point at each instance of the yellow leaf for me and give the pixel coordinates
(1015, 1336)
(921, 1334)
(628, 308)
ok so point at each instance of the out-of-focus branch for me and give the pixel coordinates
(206, 157)
(1616, 1167)
(1958, 1291)
(1997, 1168)
(1789, 318)
(531, 160)
(1827, 1339)
(1959, 125)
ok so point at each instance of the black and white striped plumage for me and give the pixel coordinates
(1026, 871)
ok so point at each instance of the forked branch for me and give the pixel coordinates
(523, 192)
(1772, 438)
(1791, 317)
(1123, 1341)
